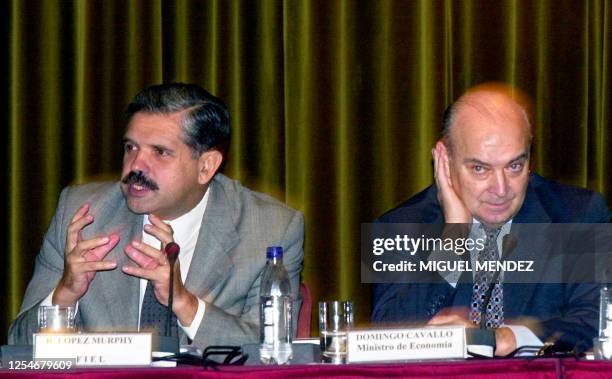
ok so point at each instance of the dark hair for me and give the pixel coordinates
(446, 121)
(206, 121)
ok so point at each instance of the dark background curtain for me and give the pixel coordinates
(335, 104)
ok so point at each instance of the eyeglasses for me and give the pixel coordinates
(224, 356)
(548, 350)
(233, 356)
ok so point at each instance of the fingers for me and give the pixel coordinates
(99, 252)
(434, 154)
(95, 249)
(83, 267)
(83, 258)
(160, 274)
(457, 311)
(85, 245)
(80, 219)
(450, 320)
(451, 316)
(160, 278)
(439, 320)
(446, 166)
(142, 273)
(97, 266)
(441, 167)
(80, 263)
(440, 172)
(82, 211)
(78, 274)
(455, 210)
(160, 230)
(151, 252)
(144, 255)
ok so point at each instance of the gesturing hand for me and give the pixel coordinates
(82, 259)
(154, 266)
(454, 208)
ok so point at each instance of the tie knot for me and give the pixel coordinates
(491, 233)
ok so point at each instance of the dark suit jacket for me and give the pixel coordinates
(566, 312)
(225, 272)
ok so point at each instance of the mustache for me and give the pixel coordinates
(137, 177)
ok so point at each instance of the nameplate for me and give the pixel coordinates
(95, 349)
(383, 345)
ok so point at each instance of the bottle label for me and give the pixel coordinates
(268, 319)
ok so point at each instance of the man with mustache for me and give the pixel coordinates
(482, 179)
(104, 250)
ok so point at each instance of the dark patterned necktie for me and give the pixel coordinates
(494, 315)
(153, 315)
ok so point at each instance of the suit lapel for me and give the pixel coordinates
(532, 210)
(530, 247)
(211, 262)
(113, 297)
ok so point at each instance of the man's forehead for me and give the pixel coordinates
(148, 116)
(490, 105)
(490, 132)
(155, 122)
(494, 92)
(484, 112)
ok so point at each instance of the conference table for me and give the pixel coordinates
(493, 368)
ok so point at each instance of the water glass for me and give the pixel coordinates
(602, 345)
(335, 320)
(56, 319)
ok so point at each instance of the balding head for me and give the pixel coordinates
(499, 103)
(487, 139)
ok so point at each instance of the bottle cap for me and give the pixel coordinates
(274, 252)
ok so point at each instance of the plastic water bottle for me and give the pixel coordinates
(275, 310)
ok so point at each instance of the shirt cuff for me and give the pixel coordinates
(192, 329)
(48, 302)
(525, 337)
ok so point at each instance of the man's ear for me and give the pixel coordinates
(208, 164)
(441, 145)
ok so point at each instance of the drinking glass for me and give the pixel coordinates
(335, 320)
(602, 345)
(56, 319)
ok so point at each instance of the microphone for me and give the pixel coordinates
(508, 245)
(172, 251)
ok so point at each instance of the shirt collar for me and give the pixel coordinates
(186, 225)
(505, 229)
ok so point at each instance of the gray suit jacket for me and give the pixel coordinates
(225, 272)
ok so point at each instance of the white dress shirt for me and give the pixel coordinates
(186, 230)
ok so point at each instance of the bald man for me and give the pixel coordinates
(482, 179)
